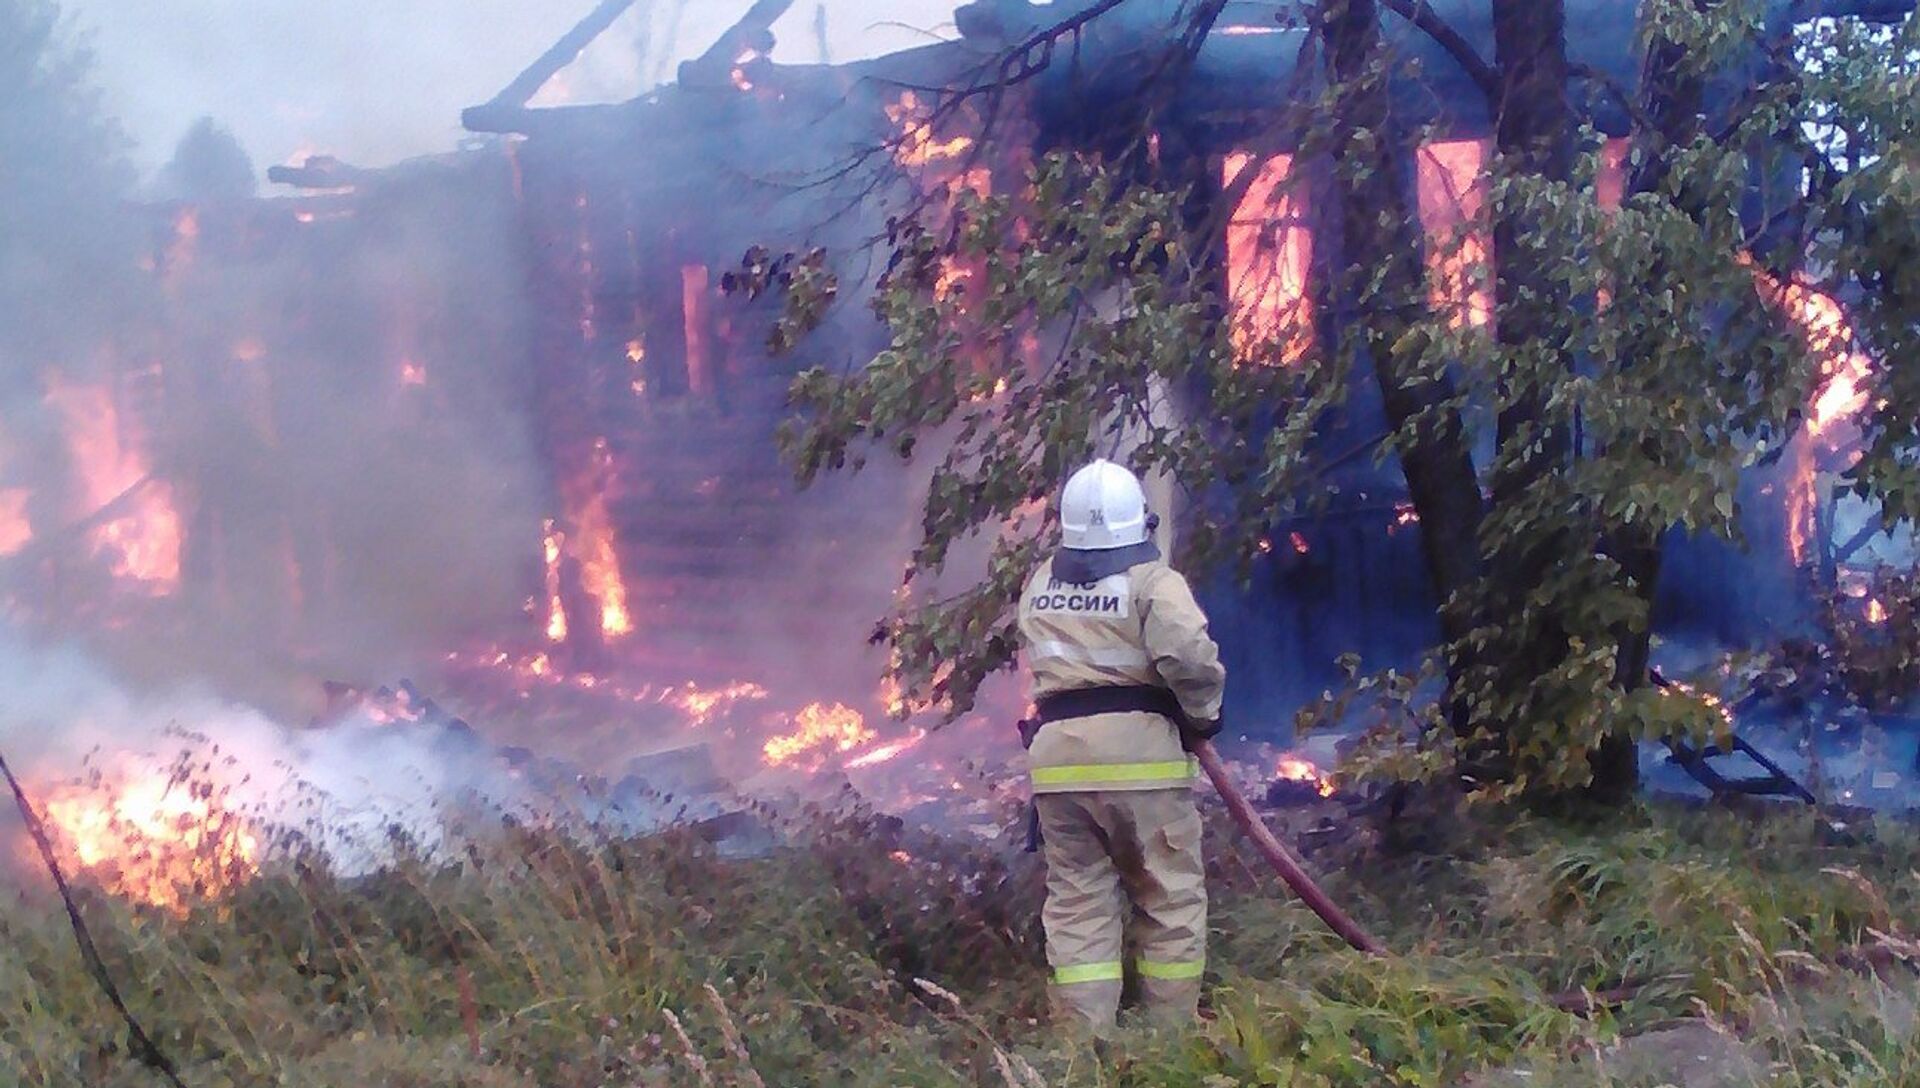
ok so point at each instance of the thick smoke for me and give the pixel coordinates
(69, 718)
(374, 83)
(314, 432)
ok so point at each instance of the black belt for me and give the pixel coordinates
(1086, 702)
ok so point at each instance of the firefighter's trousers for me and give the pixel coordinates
(1107, 852)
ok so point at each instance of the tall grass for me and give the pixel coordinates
(860, 953)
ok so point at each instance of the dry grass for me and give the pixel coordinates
(861, 955)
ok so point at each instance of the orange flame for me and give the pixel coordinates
(144, 542)
(917, 146)
(593, 544)
(556, 612)
(1269, 253)
(701, 704)
(1450, 199)
(739, 73)
(1845, 373)
(1876, 612)
(1295, 769)
(887, 752)
(820, 728)
(153, 840)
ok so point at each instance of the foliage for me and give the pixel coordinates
(562, 953)
(1027, 334)
(1867, 233)
(1026, 337)
(1874, 639)
(208, 164)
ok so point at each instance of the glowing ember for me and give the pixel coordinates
(154, 840)
(143, 542)
(1802, 501)
(16, 530)
(886, 752)
(739, 73)
(1268, 255)
(1403, 515)
(819, 728)
(1295, 769)
(637, 359)
(1299, 543)
(917, 146)
(556, 612)
(1718, 705)
(1876, 612)
(412, 373)
(1450, 198)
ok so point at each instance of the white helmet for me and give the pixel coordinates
(1103, 508)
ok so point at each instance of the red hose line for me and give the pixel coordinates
(1279, 857)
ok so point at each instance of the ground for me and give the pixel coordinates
(1763, 949)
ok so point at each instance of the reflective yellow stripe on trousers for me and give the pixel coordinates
(1088, 773)
(1112, 971)
(1173, 972)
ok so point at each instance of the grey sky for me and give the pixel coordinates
(374, 81)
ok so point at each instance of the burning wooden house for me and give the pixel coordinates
(543, 312)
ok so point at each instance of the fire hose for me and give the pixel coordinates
(1278, 856)
(1579, 1002)
(1243, 814)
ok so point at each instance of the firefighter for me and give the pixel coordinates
(1124, 677)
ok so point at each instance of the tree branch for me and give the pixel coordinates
(1617, 91)
(1484, 75)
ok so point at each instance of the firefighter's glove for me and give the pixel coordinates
(1192, 732)
(1029, 728)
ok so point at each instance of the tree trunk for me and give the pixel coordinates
(1380, 236)
(1534, 138)
(1534, 135)
(1674, 100)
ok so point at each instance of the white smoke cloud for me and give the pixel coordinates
(374, 82)
(68, 717)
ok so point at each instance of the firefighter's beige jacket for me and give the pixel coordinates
(1141, 626)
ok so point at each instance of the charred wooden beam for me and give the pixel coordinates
(319, 172)
(505, 110)
(752, 35)
(1777, 783)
